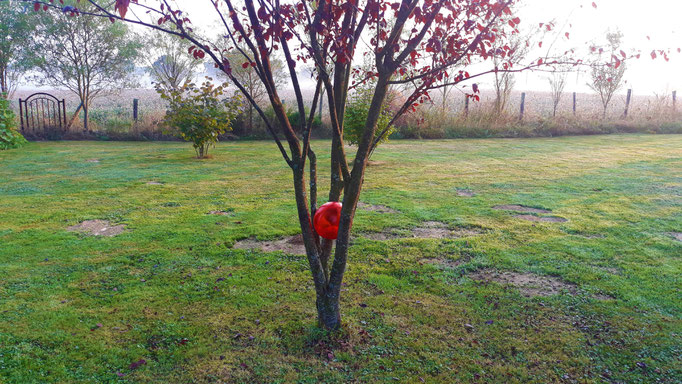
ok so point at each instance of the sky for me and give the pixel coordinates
(636, 19)
(587, 25)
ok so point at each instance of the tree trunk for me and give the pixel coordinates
(75, 116)
(328, 299)
(4, 88)
(85, 116)
(250, 128)
(328, 313)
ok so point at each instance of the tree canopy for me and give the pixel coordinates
(88, 56)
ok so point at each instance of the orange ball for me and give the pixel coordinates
(326, 220)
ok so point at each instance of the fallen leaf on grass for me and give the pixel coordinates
(137, 364)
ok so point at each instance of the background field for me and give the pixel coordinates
(171, 291)
(111, 117)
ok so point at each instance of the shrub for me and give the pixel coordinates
(199, 114)
(9, 136)
(295, 119)
(356, 112)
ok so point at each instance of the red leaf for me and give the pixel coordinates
(622, 53)
(567, 35)
(474, 87)
(36, 7)
(122, 7)
(653, 55)
(262, 13)
(245, 65)
(137, 364)
(594, 4)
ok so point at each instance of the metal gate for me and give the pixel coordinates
(42, 114)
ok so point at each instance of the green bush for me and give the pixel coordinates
(199, 114)
(356, 113)
(295, 120)
(9, 136)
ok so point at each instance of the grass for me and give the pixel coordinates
(172, 292)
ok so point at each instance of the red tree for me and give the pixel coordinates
(416, 42)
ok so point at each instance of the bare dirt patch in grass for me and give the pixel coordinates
(544, 219)
(291, 244)
(154, 183)
(465, 193)
(676, 235)
(530, 285)
(92, 161)
(376, 208)
(521, 208)
(427, 230)
(445, 263)
(220, 213)
(373, 163)
(97, 228)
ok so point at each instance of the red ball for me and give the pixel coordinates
(326, 220)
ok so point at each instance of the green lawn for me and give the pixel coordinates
(172, 291)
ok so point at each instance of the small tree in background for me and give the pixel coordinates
(199, 114)
(557, 83)
(356, 112)
(169, 64)
(9, 136)
(247, 76)
(16, 28)
(86, 55)
(504, 81)
(607, 75)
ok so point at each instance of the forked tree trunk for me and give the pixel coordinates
(328, 289)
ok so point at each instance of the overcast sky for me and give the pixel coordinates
(636, 19)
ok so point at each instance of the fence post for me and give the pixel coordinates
(466, 105)
(523, 105)
(627, 103)
(674, 100)
(135, 103)
(21, 114)
(574, 102)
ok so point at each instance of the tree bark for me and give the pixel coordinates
(85, 117)
(328, 312)
(75, 116)
(328, 300)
